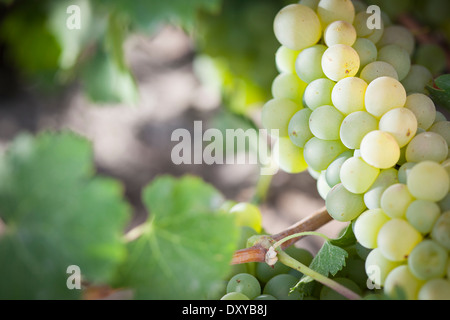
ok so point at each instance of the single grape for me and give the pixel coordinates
(417, 80)
(340, 61)
(308, 65)
(378, 267)
(288, 156)
(427, 146)
(397, 238)
(318, 93)
(302, 255)
(339, 32)
(380, 149)
(401, 279)
(428, 180)
(386, 178)
(344, 205)
(276, 115)
(333, 172)
(247, 214)
(334, 10)
(329, 129)
(404, 170)
(400, 36)
(367, 226)
(401, 123)
(280, 285)
(285, 59)
(329, 294)
(396, 200)
(319, 154)
(423, 108)
(348, 95)
(363, 30)
(366, 50)
(234, 296)
(428, 260)
(443, 129)
(378, 69)
(322, 186)
(441, 230)
(298, 128)
(435, 289)
(246, 284)
(288, 86)
(422, 215)
(357, 176)
(354, 128)
(384, 94)
(398, 57)
(296, 17)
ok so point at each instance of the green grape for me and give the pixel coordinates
(444, 204)
(339, 32)
(386, 178)
(344, 205)
(247, 214)
(359, 6)
(435, 289)
(329, 294)
(396, 200)
(362, 29)
(264, 272)
(354, 128)
(423, 108)
(288, 86)
(401, 278)
(265, 297)
(318, 93)
(354, 270)
(384, 94)
(310, 3)
(334, 10)
(333, 172)
(376, 70)
(340, 61)
(298, 128)
(439, 117)
(428, 260)
(288, 156)
(398, 35)
(443, 129)
(246, 284)
(397, 238)
(308, 65)
(246, 232)
(234, 296)
(432, 57)
(280, 285)
(357, 176)
(302, 255)
(427, 146)
(441, 230)
(296, 17)
(368, 225)
(397, 57)
(285, 59)
(401, 123)
(329, 129)
(314, 173)
(276, 115)
(428, 181)
(348, 95)
(378, 267)
(417, 79)
(366, 50)
(322, 186)
(319, 154)
(380, 149)
(422, 215)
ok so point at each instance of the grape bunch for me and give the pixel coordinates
(350, 107)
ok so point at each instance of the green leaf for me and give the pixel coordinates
(57, 214)
(346, 239)
(186, 245)
(441, 92)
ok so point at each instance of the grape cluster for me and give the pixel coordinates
(352, 109)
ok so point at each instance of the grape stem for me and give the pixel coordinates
(287, 260)
(291, 235)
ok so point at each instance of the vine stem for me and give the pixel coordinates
(257, 253)
(287, 260)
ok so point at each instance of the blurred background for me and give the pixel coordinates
(137, 70)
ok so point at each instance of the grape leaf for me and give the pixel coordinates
(186, 245)
(441, 93)
(56, 214)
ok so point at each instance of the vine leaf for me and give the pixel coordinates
(441, 92)
(186, 245)
(56, 214)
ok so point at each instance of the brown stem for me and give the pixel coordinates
(257, 253)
